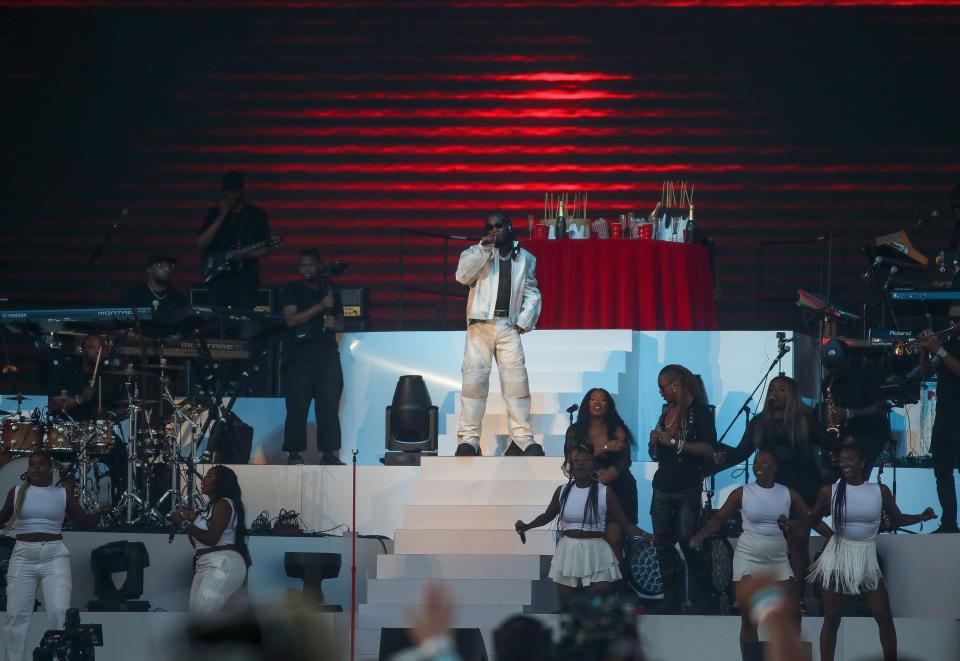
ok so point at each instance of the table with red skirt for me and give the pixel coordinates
(624, 283)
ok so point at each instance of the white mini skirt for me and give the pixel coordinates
(580, 562)
(847, 565)
(761, 554)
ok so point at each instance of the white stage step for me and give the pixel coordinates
(492, 492)
(556, 342)
(461, 591)
(475, 542)
(479, 517)
(491, 468)
(586, 360)
(374, 616)
(523, 567)
(563, 381)
(542, 423)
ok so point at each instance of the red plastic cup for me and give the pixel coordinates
(645, 231)
(616, 231)
(539, 232)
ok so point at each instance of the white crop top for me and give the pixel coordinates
(762, 507)
(861, 511)
(572, 516)
(229, 535)
(44, 509)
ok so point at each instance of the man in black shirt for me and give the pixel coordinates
(71, 389)
(228, 229)
(157, 292)
(311, 361)
(944, 361)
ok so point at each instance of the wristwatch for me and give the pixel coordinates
(941, 352)
(673, 442)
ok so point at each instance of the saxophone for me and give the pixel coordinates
(832, 412)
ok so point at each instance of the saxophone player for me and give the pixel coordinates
(943, 359)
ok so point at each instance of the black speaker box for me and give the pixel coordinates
(469, 643)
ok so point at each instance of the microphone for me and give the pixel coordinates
(173, 533)
(573, 408)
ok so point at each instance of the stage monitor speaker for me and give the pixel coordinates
(469, 643)
(756, 651)
(264, 301)
(356, 302)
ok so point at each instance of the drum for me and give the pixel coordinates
(97, 437)
(60, 436)
(20, 435)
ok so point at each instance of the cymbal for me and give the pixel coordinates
(136, 374)
(18, 398)
(3, 412)
(166, 367)
(137, 402)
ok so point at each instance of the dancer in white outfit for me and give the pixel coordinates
(35, 511)
(503, 303)
(848, 564)
(219, 534)
(583, 558)
(768, 509)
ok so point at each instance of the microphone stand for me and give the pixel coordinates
(97, 256)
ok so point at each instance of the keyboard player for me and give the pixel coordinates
(157, 291)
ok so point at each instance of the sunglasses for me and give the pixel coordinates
(494, 226)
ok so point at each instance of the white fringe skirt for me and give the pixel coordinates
(579, 562)
(847, 565)
(761, 554)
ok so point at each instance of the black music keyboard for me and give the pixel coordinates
(921, 302)
(178, 348)
(75, 315)
(922, 295)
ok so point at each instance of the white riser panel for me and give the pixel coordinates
(454, 517)
(588, 360)
(470, 542)
(568, 381)
(492, 492)
(458, 566)
(487, 468)
(553, 341)
(461, 591)
(374, 616)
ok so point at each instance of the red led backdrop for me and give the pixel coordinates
(353, 121)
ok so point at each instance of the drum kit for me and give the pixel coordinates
(145, 469)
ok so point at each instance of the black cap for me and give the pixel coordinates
(233, 181)
(156, 257)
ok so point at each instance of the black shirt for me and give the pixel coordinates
(69, 377)
(680, 472)
(310, 339)
(246, 227)
(948, 383)
(856, 388)
(504, 285)
(141, 296)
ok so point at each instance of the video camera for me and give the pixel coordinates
(75, 642)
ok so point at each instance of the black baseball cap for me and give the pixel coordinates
(156, 257)
(233, 181)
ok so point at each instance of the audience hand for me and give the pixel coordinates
(434, 617)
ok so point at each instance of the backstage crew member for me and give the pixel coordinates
(856, 390)
(944, 361)
(157, 291)
(311, 361)
(228, 229)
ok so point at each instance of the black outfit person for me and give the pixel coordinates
(312, 372)
(945, 441)
(624, 485)
(236, 288)
(858, 387)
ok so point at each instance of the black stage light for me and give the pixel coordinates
(411, 424)
(113, 558)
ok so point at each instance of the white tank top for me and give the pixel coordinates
(762, 507)
(861, 511)
(44, 510)
(572, 517)
(229, 535)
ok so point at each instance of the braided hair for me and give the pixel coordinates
(227, 486)
(840, 495)
(592, 506)
(24, 485)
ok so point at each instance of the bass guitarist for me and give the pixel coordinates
(228, 229)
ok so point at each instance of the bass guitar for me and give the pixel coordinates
(216, 264)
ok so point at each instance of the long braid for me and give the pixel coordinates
(563, 503)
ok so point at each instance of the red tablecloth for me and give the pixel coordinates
(608, 283)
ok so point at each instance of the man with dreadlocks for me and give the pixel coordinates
(583, 558)
(35, 511)
(503, 304)
(848, 564)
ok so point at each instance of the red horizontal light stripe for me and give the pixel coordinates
(477, 113)
(484, 133)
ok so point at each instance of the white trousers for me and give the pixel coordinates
(218, 575)
(486, 341)
(31, 562)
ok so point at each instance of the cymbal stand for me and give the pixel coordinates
(130, 497)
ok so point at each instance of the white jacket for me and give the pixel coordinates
(479, 269)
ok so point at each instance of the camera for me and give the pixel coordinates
(75, 642)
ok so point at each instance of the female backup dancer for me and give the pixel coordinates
(35, 511)
(600, 427)
(219, 534)
(767, 508)
(848, 564)
(583, 558)
(789, 431)
(682, 444)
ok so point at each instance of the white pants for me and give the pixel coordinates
(48, 563)
(486, 341)
(218, 575)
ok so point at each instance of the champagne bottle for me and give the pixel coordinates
(688, 232)
(560, 228)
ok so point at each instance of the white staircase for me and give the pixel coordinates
(560, 371)
(458, 530)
